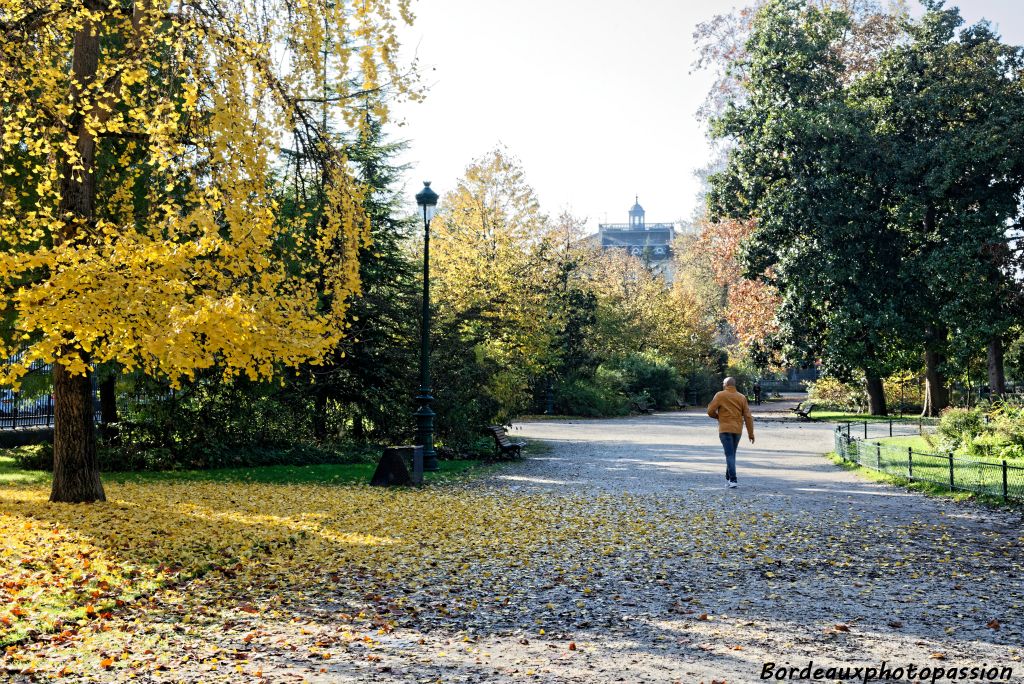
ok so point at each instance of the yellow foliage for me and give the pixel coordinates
(67, 566)
(494, 262)
(185, 258)
(638, 311)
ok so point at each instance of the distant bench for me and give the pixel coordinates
(505, 447)
(641, 408)
(803, 411)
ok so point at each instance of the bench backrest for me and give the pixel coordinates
(499, 434)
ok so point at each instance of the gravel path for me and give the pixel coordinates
(859, 572)
(686, 581)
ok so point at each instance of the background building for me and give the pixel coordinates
(651, 242)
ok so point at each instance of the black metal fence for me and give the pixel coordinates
(20, 412)
(994, 477)
(33, 409)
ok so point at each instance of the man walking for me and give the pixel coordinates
(731, 410)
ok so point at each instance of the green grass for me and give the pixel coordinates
(844, 416)
(348, 473)
(931, 467)
(917, 486)
(923, 443)
(10, 474)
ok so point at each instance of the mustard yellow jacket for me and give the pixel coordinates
(731, 410)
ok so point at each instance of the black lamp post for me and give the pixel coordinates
(427, 200)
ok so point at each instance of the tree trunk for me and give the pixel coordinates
(108, 399)
(320, 413)
(76, 475)
(996, 372)
(876, 395)
(76, 472)
(358, 427)
(936, 395)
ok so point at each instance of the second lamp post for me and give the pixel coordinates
(427, 201)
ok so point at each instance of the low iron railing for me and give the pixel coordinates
(994, 477)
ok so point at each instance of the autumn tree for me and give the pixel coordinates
(141, 225)
(637, 310)
(492, 278)
(750, 305)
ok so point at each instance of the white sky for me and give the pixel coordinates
(595, 97)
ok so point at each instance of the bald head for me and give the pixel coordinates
(729, 382)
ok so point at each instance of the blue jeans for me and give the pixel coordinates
(730, 440)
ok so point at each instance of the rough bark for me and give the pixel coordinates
(996, 369)
(936, 394)
(876, 395)
(76, 475)
(76, 472)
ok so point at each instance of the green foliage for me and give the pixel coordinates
(996, 431)
(33, 456)
(461, 375)
(646, 377)
(216, 424)
(369, 381)
(745, 373)
(594, 397)
(23, 436)
(904, 392)
(1015, 359)
(880, 218)
(1007, 423)
(959, 427)
(702, 384)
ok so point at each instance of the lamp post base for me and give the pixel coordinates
(425, 433)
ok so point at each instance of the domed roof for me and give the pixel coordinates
(637, 209)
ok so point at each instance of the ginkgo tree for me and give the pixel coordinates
(141, 157)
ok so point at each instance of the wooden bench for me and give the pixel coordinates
(803, 410)
(505, 447)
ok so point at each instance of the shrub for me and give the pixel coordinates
(959, 427)
(1014, 452)
(33, 456)
(903, 392)
(745, 374)
(644, 377)
(1007, 422)
(592, 397)
(701, 386)
(830, 393)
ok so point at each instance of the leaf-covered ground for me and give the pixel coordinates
(615, 556)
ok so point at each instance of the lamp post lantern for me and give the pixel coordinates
(427, 201)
